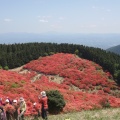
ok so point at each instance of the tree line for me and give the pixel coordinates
(16, 55)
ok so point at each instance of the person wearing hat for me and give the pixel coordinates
(44, 102)
(10, 101)
(16, 106)
(1, 102)
(36, 109)
(9, 110)
(6, 109)
(22, 108)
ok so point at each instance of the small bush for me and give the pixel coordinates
(56, 101)
(104, 102)
(6, 68)
(1, 67)
(15, 85)
(23, 82)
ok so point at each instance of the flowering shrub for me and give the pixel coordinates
(84, 86)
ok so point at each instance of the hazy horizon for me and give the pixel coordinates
(103, 41)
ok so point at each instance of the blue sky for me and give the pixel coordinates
(64, 16)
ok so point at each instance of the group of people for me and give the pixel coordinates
(9, 109)
(15, 109)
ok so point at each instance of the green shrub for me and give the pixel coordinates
(6, 68)
(51, 53)
(1, 67)
(56, 101)
(45, 54)
(76, 52)
(15, 85)
(23, 82)
(105, 102)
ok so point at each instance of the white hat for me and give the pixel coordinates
(15, 101)
(7, 100)
(34, 103)
(21, 99)
(43, 93)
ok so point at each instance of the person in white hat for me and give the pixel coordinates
(10, 101)
(23, 108)
(6, 101)
(36, 108)
(43, 93)
(8, 111)
(16, 106)
(44, 102)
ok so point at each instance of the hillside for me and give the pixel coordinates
(16, 55)
(83, 83)
(115, 49)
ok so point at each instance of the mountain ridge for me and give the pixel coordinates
(115, 49)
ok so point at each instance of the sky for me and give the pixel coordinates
(60, 16)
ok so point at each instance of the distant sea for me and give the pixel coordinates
(103, 41)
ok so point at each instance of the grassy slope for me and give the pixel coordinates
(104, 114)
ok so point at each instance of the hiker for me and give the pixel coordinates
(1, 103)
(22, 108)
(44, 102)
(2, 114)
(36, 108)
(16, 106)
(9, 110)
(10, 101)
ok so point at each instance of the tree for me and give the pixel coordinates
(6, 67)
(117, 76)
(76, 51)
(56, 101)
(1, 67)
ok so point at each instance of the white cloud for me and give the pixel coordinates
(47, 17)
(42, 20)
(44, 17)
(7, 20)
(56, 26)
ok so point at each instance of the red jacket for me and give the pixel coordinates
(44, 102)
(37, 108)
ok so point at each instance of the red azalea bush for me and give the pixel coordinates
(88, 78)
(73, 69)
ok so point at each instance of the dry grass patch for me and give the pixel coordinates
(104, 114)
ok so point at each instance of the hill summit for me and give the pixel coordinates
(83, 83)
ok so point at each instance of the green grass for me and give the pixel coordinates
(104, 114)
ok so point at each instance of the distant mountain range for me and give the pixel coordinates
(115, 49)
(103, 41)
